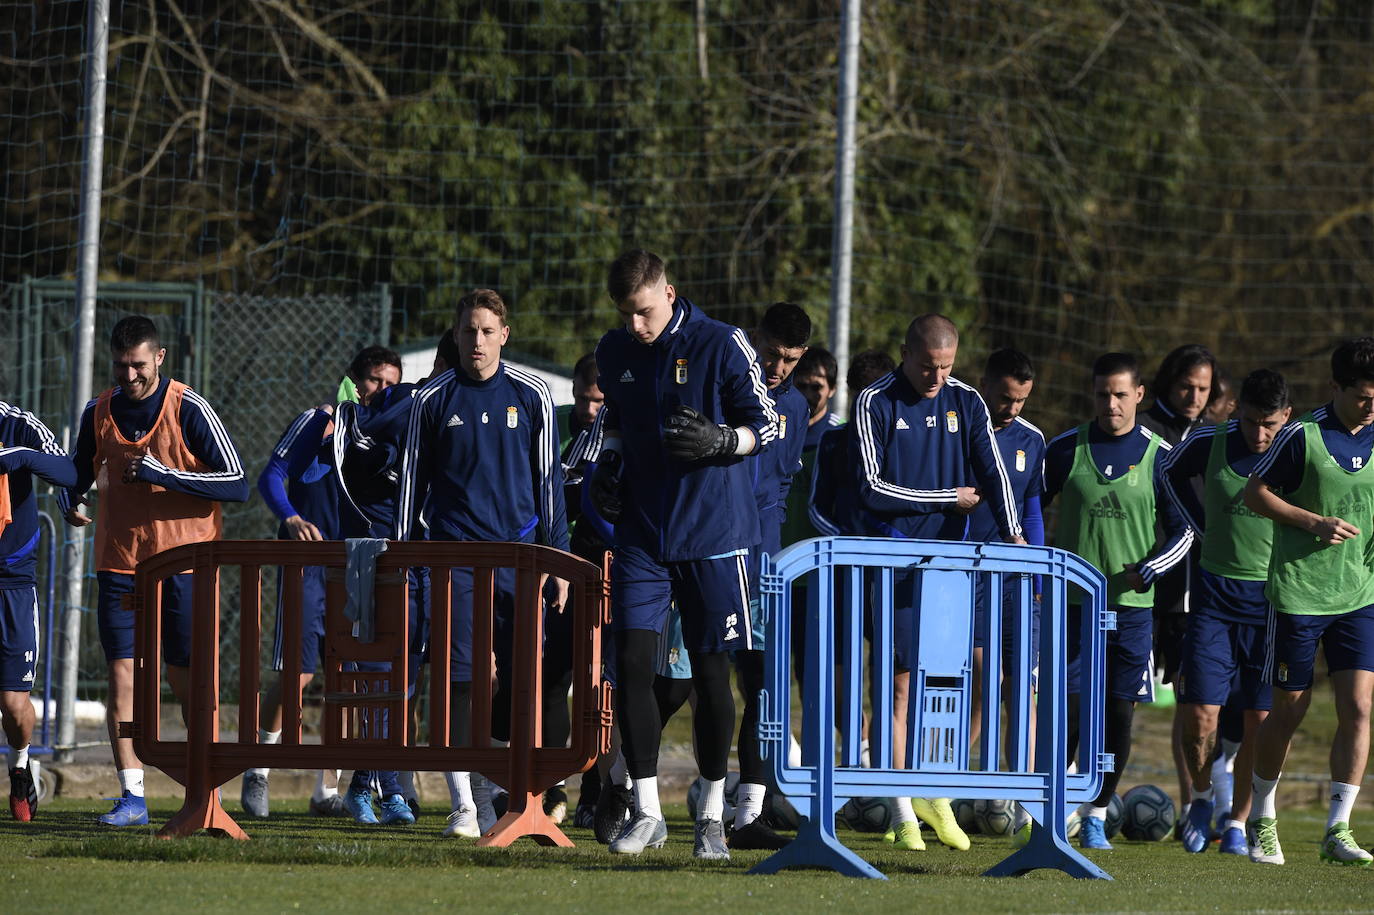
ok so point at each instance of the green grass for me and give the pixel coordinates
(64, 863)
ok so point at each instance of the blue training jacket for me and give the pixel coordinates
(774, 466)
(367, 444)
(678, 511)
(911, 453)
(299, 478)
(481, 461)
(27, 450)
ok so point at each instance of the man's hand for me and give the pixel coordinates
(689, 436)
(74, 515)
(1332, 531)
(555, 593)
(969, 499)
(605, 485)
(1018, 539)
(131, 471)
(302, 529)
(1134, 580)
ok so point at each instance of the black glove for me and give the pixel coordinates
(689, 436)
(605, 485)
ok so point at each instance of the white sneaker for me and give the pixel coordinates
(463, 822)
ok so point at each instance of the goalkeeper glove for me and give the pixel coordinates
(605, 486)
(689, 436)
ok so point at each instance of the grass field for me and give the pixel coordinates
(64, 863)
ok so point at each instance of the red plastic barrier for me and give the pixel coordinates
(203, 762)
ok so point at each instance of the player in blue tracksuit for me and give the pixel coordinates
(685, 402)
(925, 458)
(1108, 516)
(366, 448)
(27, 450)
(301, 488)
(481, 463)
(1008, 378)
(780, 341)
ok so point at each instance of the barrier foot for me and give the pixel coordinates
(525, 818)
(816, 846)
(201, 812)
(1047, 850)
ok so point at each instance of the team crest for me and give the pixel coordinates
(512, 417)
(1020, 462)
(952, 421)
(680, 371)
(782, 426)
(1283, 673)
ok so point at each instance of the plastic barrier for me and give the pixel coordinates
(843, 576)
(355, 700)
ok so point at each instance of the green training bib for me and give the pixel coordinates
(1307, 577)
(1237, 542)
(1110, 522)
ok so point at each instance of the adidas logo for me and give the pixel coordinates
(901, 423)
(27, 678)
(1109, 506)
(454, 420)
(731, 634)
(1237, 506)
(627, 377)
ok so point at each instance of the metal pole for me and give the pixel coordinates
(842, 256)
(87, 273)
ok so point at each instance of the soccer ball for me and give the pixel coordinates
(995, 818)
(779, 812)
(1114, 815)
(1073, 824)
(731, 796)
(1148, 814)
(963, 815)
(867, 814)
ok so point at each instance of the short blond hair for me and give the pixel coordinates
(481, 298)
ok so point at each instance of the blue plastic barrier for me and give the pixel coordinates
(845, 575)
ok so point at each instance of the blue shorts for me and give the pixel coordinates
(1130, 654)
(117, 624)
(1347, 640)
(1224, 645)
(711, 594)
(1223, 661)
(1011, 592)
(312, 621)
(503, 620)
(18, 639)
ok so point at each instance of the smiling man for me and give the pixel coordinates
(161, 462)
(685, 403)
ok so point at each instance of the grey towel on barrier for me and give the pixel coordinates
(359, 571)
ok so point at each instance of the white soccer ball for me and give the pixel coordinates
(1073, 823)
(995, 818)
(1148, 813)
(867, 814)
